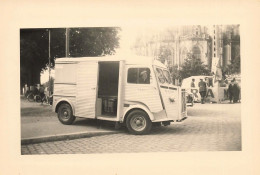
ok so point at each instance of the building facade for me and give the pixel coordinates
(211, 44)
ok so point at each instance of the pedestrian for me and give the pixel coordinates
(231, 91)
(207, 81)
(236, 91)
(192, 84)
(46, 95)
(202, 90)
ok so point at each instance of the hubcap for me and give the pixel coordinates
(138, 123)
(65, 114)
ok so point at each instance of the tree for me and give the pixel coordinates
(175, 73)
(95, 41)
(233, 39)
(49, 84)
(234, 67)
(193, 67)
(34, 48)
(34, 55)
(164, 54)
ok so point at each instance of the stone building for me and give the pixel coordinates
(204, 42)
(177, 42)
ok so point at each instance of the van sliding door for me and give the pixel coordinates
(87, 73)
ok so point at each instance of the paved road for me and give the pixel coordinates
(210, 127)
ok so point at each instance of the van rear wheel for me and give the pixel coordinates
(138, 122)
(65, 114)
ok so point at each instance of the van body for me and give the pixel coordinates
(135, 91)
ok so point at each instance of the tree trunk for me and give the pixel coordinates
(36, 75)
(21, 89)
(29, 78)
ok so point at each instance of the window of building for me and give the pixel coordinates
(138, 76)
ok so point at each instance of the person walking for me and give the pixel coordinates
(202, 90)
(192, 84)
(231, 91)
(236, 91)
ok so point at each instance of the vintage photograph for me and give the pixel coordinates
(140, 89)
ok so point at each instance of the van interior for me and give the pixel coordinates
(107, 89)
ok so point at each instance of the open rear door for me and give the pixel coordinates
(169, 93)
(87, 73)
(120, 100)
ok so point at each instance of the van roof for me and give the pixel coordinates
(132, 59)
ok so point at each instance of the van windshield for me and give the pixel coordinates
(163, 76)
(167, 76)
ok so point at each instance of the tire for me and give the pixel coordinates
(138, 122)
(65, 114)
(30, 97)
(37, 98)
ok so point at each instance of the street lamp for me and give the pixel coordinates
(49, 31)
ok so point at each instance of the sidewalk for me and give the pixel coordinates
(40, 124)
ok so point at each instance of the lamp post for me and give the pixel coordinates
(49, 62)
(67, 42)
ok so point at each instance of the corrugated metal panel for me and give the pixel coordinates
(65, 73)
(86, 89)
(65, 89)
(146, 94)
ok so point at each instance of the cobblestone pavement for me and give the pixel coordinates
(210, 127)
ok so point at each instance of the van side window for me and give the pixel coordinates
(138, 75)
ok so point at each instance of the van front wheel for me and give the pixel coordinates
(65, 114)
(138, 122)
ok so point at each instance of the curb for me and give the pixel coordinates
(61, 137)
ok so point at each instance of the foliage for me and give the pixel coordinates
(49, 84)
(234, 67)
(230, 38)
(34, 47)
(93, 41)
(193, 67)
(164, 54)
(175, 73)
(33, 53)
